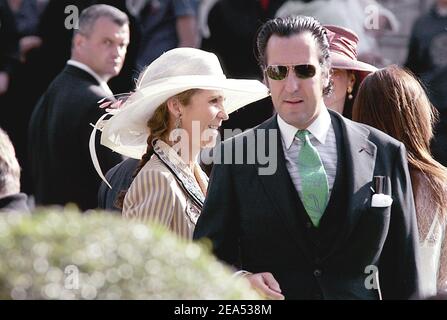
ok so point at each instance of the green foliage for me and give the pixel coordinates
(42, 254)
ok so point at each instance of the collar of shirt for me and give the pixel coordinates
(319, 128)
(89, 70)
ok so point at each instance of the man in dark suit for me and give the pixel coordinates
(309, 223)
(59, 131)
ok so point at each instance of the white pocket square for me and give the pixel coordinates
(381, 200)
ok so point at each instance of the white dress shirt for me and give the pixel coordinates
(89, 70)
(322, 137)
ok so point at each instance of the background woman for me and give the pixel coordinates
(392, 100)
(347, 72)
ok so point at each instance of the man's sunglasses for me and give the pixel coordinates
(302, 71)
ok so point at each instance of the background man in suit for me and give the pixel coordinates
(61, 167)
(310, 229)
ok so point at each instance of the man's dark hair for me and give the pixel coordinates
(91, 14)
(286, 27)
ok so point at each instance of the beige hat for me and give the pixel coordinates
(175, 71)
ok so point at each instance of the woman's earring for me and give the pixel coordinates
(178, 122)
(350, 93)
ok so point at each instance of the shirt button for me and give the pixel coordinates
(317, 273)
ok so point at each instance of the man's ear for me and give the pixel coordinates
(265, 80)
(78, 40)
(326, 77)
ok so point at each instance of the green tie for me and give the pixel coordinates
(314, 185)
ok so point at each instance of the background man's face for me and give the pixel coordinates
(297, 101)
(104, 49)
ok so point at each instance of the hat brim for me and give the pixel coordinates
(339, 61)
(126, 132)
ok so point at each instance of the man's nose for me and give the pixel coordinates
(292, 81)
(118, 51)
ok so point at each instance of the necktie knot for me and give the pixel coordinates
(302, 134)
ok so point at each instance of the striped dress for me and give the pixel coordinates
(156, 194)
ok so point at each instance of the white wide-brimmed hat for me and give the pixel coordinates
(175, 71)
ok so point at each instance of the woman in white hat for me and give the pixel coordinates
(177, 108)
(347, 72)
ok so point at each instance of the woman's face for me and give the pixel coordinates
(203, 116)
(342, 79)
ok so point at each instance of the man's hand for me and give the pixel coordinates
(266, 284)
(4, 82)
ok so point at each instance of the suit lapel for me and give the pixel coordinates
(280, 189)
(360, 155)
